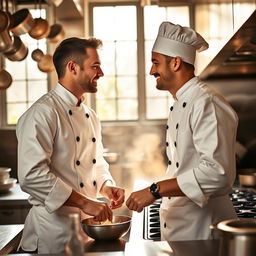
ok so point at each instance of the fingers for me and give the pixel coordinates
(117, 198)
(103, 212)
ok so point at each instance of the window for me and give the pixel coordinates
(127, 91)
(117, 98)
(29, 83)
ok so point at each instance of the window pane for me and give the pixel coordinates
(126, 58)
(36, 89)
(106, 87)
(16, 92)
(16, 69)
(106, 109)
(119, 61)
(107, 56)
(14, 111)
(127, 109)
(111, 22)
(127, 86)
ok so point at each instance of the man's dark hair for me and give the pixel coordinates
(72, 49)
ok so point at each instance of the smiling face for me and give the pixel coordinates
(161, 71)
(89, 73)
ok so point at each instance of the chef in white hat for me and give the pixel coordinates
(200, 143)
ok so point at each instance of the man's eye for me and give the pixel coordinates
(95, 67)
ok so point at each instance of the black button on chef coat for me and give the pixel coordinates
(169, 162)
(93, 140)
(81, 184)
(165, 225)
(175, 144)
(77, 162)
(177, 126)
(77, 138)
(171, 108)
(94, 161)
(167, 143)
(70, 112)
(94, 183)
(177, 164)
(184, 104)
(167, 127)
(87, 115)
(169, 197)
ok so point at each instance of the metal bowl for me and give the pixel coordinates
(119, 227)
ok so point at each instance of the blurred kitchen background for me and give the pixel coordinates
(132, 111)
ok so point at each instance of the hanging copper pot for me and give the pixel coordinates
(22, 22)
(45, 64)
(5, 38)
(5, 79)
(18, 52)
(40, 29)
(56, 33)
(37, 54)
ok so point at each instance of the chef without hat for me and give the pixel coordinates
(174, 40)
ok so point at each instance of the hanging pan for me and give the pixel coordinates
(5, 38)
(5, 78)
(22, 22)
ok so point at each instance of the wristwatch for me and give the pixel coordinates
(154, 189)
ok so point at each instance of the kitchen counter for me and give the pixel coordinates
(149, 248)
(14, 197)
(10, 236)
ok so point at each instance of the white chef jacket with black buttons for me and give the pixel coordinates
(59, 149)
(200, 146)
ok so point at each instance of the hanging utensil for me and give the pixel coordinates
(22, 22)
(18, 52)
(41, 27)
(37, 54)
(5, 38)
(56, 31)
(5, 78)
(45, 64)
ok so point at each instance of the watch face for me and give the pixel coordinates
(153, 187)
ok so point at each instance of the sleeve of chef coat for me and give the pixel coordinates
(213, 127)
(35, 132)
(102, 168)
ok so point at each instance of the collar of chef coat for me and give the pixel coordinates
(184, 90)
(69, 98)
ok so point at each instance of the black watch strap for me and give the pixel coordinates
(154, 189)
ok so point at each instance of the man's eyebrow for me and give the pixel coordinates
(154, 60)
(96, 62)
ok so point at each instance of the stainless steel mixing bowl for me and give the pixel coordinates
(119, 227)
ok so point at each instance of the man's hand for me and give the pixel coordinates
(98, 209)
(140, 199)
(114, 194)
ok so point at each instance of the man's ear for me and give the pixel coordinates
(71, 67)
(175, 63)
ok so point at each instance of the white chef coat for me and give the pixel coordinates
(200, 140)
(59, 149)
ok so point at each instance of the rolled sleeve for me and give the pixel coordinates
(190, 187)
(57, 196)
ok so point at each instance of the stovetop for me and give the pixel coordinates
(244, 202)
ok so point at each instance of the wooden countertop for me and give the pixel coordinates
(14, 197)
(10, 236)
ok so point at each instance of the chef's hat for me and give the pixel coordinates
(174, 40)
